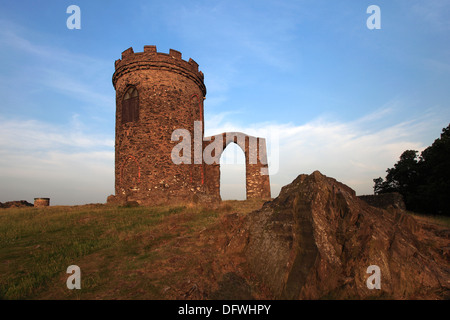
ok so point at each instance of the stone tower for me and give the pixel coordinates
(156, 94)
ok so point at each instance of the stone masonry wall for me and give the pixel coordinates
(256, 167)
(171, 93)
(385, 200)
(41, 202)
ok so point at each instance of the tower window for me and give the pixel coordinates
(130, 105)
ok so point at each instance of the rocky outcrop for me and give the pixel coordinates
(317, 239)
(15, 204)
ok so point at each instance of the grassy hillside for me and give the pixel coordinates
(123, 253)
(165, 252)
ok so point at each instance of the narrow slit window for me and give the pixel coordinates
(130, 106)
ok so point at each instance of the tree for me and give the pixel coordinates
(435, 190)
(379, 186)
(403, 178)
(423, 181)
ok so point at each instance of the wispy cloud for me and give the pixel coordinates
(67, 178)
(353, 152)
(34, 135)
(53, 68)
(234, 37)
(434, 12)
(65, 162)
(77, 89)
(256, 32)
(237, 43)
(16, 37)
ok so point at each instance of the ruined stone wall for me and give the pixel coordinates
(385, 200)
(41, 202)
(256, 167)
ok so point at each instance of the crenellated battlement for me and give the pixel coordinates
(151, 59)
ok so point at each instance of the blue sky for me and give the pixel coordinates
(327, 92)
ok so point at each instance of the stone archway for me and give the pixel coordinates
(256, 168)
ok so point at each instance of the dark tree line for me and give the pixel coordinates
(423, 180)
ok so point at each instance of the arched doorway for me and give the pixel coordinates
(232, 173)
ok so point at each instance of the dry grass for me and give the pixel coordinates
(443, 221)
(123, 253)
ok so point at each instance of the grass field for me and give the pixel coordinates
(123, 253)
(435, 219)
(165, 252)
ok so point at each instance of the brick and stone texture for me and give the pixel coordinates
(157, 93)
(385, 200)
(256, 168)
(41, 202)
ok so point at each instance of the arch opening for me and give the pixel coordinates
(233, 173)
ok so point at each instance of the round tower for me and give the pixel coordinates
(156, 93)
